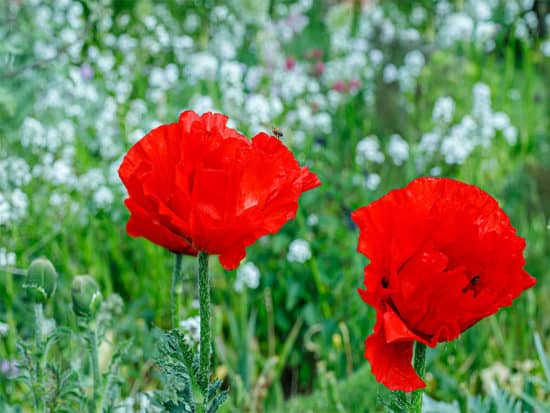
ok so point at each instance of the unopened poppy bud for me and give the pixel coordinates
(41, 280)
(86, 296)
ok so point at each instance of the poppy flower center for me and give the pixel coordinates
(424, 289)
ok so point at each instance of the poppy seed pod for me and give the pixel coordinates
(86, 296)
(41, 280)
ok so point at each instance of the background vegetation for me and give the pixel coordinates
(369, 94)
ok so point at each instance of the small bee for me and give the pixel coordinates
(277, 132)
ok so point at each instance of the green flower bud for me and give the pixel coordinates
(41, 280)
(86, 296)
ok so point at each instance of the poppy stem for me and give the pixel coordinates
(174, 307)
(92, 343)
(205, 327)
(39, 353)
(419, 363)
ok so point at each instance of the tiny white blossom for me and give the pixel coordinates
(500, 120)
(368, 149)
(456, 27)
(443, 109)
(482, 10)
(372, 181)
(247, 275)
(418, 15)
(103, 197)
(456, 147)
(390, 73)
(510, 133)
(7, 258)
(298, 138)
(323, 122)
(398, 149)
(258, 109)
(192, 328)
(202, 104)
(429, 143)
(4, 328)
(376, 56)
(231, 73)
(299, 251)
(202, 66)
(414, 61)
(312, 220)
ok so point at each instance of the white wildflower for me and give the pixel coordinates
(323, 122)
(482, 10)
(494, 376)
(103, 197)
(247, 275)
(500, 120)
(231, 73)
(202, 104)
(456, 27)
(443, 109)
(4, 329)
(390, 73)
(414, 61)
(372, 181)
(7, 258)
(398, 149)
(368, 149)
(429, 143)
(202, 66)
(510, 133)
(192, 329)
(376, 56)
(456, 147)
(418, 15)
(258, 109)
(312, 220)
(299, 251)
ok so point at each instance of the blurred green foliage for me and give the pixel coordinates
(257, 354)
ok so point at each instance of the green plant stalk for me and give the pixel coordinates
(317, 279)
(12, 336)
(355, 17)
(92, 343)
(205, 328)
(174, 307)
(39, 351)
(244, 340)
(419, 363)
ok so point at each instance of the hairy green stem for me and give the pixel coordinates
(205, 328)
(92, 343)
(12, 332)
(39, 352)
(174, 307)
(419, 363)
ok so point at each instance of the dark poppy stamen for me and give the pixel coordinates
(472, 284)
(385, 283)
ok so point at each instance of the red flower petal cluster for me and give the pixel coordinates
(443, 255)
(197, 185)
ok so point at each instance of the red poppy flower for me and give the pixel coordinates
(197, 185)
(443, 255)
